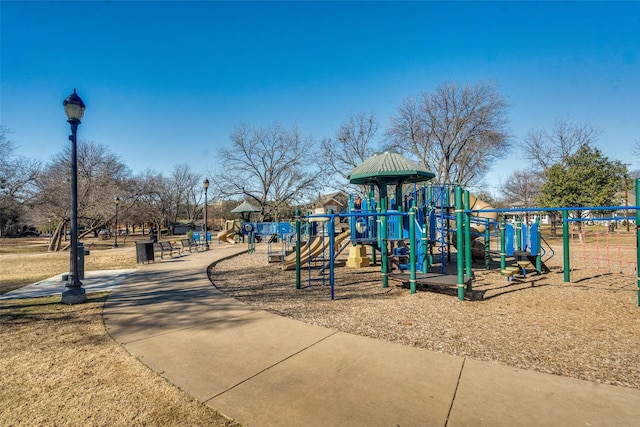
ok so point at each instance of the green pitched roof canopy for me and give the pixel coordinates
(245, 207)
(388, 168)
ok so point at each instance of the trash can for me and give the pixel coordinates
(80, 257)
(80, 254)
(144, 252)
(153, 235)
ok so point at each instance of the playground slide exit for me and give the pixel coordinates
(315, 250)
(226, 236)
(477, 228)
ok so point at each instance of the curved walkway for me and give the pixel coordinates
(265, 370)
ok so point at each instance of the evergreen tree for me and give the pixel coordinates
(587, 178)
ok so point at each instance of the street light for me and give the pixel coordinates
(115, 238)
(205, 184)
(74, 292)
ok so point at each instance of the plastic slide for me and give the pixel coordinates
(313, 247)
(476, 203)
(226, 236)
(477, 228)
(316, 248)
(313, 242)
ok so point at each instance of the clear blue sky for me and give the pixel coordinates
(166, 82)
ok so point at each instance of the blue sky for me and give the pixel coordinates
(166, 82)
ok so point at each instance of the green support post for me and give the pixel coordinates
(638, 236)
(425, 248)
(467, 240)
(412, 248)
(460, 250)
(447, 195)
(251, 245)
(298, 243)
(373, 206)
(565, 246)
(374, 223)
(518, 233)
(503, 244)
(487, 245)
(539, 255)
(384, 263)
(431, 207)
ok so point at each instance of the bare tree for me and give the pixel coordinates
(101, 178)
(269, 166)
(636, 148)
(155, 200)
(522, 189)
(16, 178)
(353, 144)
(545, 148)
(457, 131)
(186, 190)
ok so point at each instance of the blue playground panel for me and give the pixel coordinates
(364, 229)
(196, 235)
(265, 229)
(396, 227)
(528, 242)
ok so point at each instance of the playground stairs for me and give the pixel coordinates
(276, 258)
(327, 264)
(524, 254)
(430, 279)
(358, 256)
(279, 257)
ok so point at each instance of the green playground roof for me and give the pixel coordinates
(245, 207)
(387, 168)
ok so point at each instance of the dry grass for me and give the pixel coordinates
(59, 366)
(25, 261)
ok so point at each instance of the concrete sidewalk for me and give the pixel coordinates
(266, 370)
(93, 281)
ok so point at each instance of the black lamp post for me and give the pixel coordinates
(205, 184)
(74, 292)
(115, 231)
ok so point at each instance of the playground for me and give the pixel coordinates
(565, 305)
(588, 329)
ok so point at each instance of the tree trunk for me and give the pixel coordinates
(54, 244)
(554, 231)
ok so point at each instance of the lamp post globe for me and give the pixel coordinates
(205, 184)
(74, 293)
(116, 201)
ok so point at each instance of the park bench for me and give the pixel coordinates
(197, 243)
(190, 244)
(163, 247)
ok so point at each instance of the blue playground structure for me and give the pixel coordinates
(265, 230)
(419, 238)
(418, 230)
